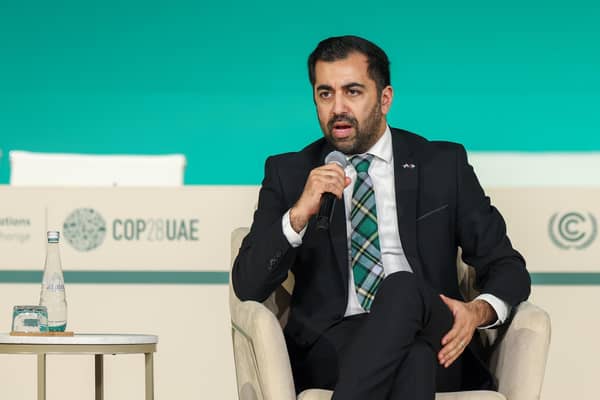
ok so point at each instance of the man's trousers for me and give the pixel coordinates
(389, 353)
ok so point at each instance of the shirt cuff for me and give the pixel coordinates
(501, 307)
(293, 237)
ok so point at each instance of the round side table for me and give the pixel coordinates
(96, 344)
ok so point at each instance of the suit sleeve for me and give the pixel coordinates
(265, 255)
(481, 231)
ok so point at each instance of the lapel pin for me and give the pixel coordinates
(411, 166)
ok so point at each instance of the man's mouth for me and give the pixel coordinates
(342, 129)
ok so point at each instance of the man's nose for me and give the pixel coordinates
(339, 105)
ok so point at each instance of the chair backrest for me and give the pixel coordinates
(54, 169)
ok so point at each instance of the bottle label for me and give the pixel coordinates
(56, 284)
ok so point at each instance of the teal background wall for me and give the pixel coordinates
(227, 80)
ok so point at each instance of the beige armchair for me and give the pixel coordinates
(263, 368)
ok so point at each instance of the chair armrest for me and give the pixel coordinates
(237, 236)
(519, 361)
(262, 362)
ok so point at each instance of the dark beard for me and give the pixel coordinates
(366, 134)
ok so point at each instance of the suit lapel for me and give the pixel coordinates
(406, 177)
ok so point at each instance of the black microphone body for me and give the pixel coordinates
(326, 211)
(328, 200)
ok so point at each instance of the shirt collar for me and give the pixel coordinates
(382, 149)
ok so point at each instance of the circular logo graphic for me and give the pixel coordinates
(84, 229)
(572, 230)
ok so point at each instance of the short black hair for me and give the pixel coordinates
(339, 47)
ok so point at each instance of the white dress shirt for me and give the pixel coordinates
(381, 172)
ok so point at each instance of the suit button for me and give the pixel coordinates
(272, 263)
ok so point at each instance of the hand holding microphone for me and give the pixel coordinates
(323, 185)
(328, 202)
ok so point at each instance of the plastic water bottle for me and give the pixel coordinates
(53, 286)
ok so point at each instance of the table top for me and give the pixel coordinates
(81, 339)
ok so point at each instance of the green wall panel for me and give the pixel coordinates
(227, 80)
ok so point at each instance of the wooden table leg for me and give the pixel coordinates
(41, 376)
(99, 373)
(149, 358)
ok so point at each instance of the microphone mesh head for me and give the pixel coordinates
(336, 157)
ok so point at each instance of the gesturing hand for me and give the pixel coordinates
(467, 317)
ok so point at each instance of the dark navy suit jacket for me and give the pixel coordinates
(440, 207)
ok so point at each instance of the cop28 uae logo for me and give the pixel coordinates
(84, 229)
(572, 230)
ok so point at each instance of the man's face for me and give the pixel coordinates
(351, 112)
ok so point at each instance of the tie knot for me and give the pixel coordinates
(362, 162)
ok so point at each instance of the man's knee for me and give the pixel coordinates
(399, 287)
(399, 280)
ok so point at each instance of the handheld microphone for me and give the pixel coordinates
(328, 201)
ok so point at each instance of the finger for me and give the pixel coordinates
(333, 187)
(456, 352)
(445, 299)
(329, 172)
(448, 349)
(336, 172)
(451, 303)
(326, 181)
(450, 361)
(451, 351)
(333, 168)
(457, 338)
(452, 333)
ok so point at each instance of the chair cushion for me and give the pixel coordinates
(315, 394)
(471, 395)
(319, 394)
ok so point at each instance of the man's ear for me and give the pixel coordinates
(387, 95)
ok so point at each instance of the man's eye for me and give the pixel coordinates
(325, 95)
(353, 92)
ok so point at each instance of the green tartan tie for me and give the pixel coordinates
(367, 266)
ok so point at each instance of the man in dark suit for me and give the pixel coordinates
(376, 312)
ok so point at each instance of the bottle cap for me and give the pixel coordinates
(53, 236)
